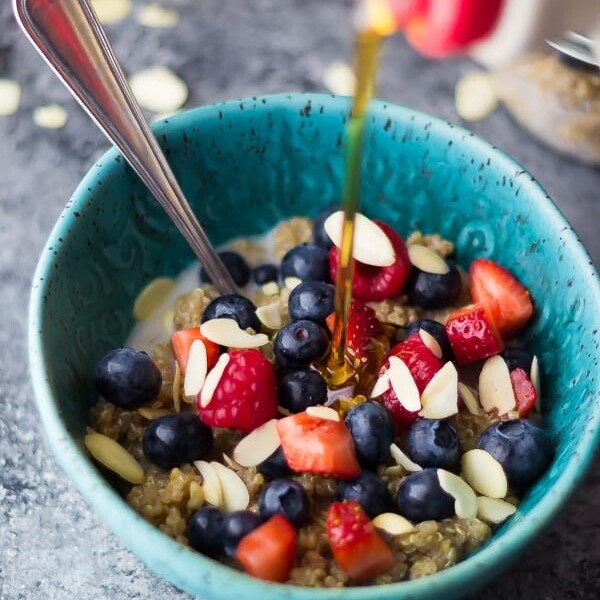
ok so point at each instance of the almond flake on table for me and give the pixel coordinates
(10, 97)
(159, 89)
(371, 244)
(339, 79)
(50, 116)
(155, 15)
(112, 11)
(475, 96)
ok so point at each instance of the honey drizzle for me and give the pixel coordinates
(338, 369)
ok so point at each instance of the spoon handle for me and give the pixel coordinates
(69, 37)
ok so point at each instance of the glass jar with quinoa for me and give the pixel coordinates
(229, 436)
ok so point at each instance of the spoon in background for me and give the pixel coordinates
(69, 37)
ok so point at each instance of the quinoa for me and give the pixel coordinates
(168, 498)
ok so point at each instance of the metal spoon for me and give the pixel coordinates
(69, 37)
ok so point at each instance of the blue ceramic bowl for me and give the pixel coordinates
(245, 165)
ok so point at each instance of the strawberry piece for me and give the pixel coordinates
(181, 342)
(377, 283)
(525, 393)
(314, 445)
(268, 551)
(362, 330)
(509, 300)
(246, 395)
(357, 547)
(473, 333)
(422, 363)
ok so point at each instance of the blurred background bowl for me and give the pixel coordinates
(245, 165)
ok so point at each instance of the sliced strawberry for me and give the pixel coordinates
(268, 551)
(315, 445)
(525, 393)
(246, 394)
(422, 363)
(473, 333)
(363, 329)
(181, 342)
(509, 300)
(377, 283)
(357, 547)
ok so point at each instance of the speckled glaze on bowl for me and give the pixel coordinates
(244, 165)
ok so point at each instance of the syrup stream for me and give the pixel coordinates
(366, 60)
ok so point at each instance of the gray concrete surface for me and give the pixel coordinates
(51, 545)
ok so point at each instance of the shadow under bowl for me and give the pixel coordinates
(244, 166)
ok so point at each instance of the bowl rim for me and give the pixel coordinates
(167, 557)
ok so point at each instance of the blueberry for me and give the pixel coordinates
(320, 237)
(307, 261)
(437, 330)
(421, 498)
(236, 265)
(127, 378)
(372, 429)
(369, 490)
(286, 497)
(517, 358)
(299, 343)
(433, 290)
(300, 389)
(237, 525)
(173, 440)
(433, 443)
(265, 273)
(233, 306)
(312, 300)
(522, 448)
(274, 466)
(205, 531)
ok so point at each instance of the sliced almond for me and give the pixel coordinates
(427, 260)
(292, 282)
(465, 500)
(534, 375)
(270, 289)
(113, 456)
(430, 342)
(393, 523)
(440, 397)
(323, 412)
(152, 413)
(155, 15)
(381, 385)
(371, 244)
(339, 79)
(403, 460)
(270, 315)
(403, 384)
(484, 473)
(196, 369)
(151, 297)
(475, 96)
(495, 387)
(158, 89)
(469, 398)
(234, 493)
(10, 97)
(212, 380)
(494, 510)
(111, 11)
(196, 499)
(50, 116)
(227, 332)
(258, 445)
(211, 484)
